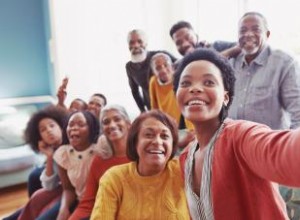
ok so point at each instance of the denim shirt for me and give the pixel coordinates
(267, 90)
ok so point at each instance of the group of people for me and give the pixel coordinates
(100, 165)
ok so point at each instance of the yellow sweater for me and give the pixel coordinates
(162, 97)
(125, 195)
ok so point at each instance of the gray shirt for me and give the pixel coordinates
(267, 90)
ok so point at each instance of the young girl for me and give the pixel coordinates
(231, 168)
(44, 134)
(115, 124)
(74, 159)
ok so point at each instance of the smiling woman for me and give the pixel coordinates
(150, 186)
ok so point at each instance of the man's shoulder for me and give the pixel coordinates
(281, 54)
(222, 45)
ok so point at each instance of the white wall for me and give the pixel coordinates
(89, 36)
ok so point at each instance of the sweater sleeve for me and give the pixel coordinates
(108, 197)
(49, 182)
(135, 90)
(272, 155)
(153, 99)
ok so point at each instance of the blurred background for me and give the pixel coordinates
(42, 41)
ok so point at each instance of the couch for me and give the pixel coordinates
(16, 158)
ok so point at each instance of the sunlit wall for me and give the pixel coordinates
(89, 36)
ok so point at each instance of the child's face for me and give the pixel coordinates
(201, 92)
(50, 132)
(78, 131)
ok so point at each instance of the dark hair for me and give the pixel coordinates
(227, 72)
(32, 134)
(92, 122)
(179, 25)
(101, 96)
(82, 101)
(132, 139)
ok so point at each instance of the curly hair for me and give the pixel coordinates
(227, 72)
(32, 134)
(132, 139)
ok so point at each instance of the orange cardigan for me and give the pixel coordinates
(246, 158)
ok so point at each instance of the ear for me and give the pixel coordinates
(226, 98)
(268, 34)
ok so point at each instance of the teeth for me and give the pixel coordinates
(196, 102)
(156, 152)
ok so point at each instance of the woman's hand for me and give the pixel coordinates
(63, 214)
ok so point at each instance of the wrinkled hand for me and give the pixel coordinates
(45, 149)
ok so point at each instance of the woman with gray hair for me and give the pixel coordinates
(115, 124)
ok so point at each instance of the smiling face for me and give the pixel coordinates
(78, 132)
(154, 147)
(114, 125)
(162, 68)
(95, 105)
(185, 40)
(50, 132)
(253, 35)
(201, 92)
(137, 44)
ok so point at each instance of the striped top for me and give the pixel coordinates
(200, 207)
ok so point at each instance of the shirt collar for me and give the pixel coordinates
(261, 58)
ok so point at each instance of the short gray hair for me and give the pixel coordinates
(139, 32)
(160, 54)
(120, 109)
(254, 13)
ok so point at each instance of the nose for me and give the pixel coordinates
(112, 125)
(248, 33)
(196, 89)
(157, 140)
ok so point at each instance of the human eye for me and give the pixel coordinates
(243, 30)
(209, 82)
(42, 129)
(81, 124)
(117, 119)
(184, 83)
(257, 30)
(148, 134)
(165, 136)
(105, 121)
(179, 42)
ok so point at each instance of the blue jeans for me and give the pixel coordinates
(34, 182)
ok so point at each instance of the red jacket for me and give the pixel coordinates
(246, 158)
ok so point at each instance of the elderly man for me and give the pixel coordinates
(267, 88)
(267, 80)
(138, 68)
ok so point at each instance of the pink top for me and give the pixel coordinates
(76, 163)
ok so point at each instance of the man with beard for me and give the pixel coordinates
(267, 86)
(186, 41)
(138, 68)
